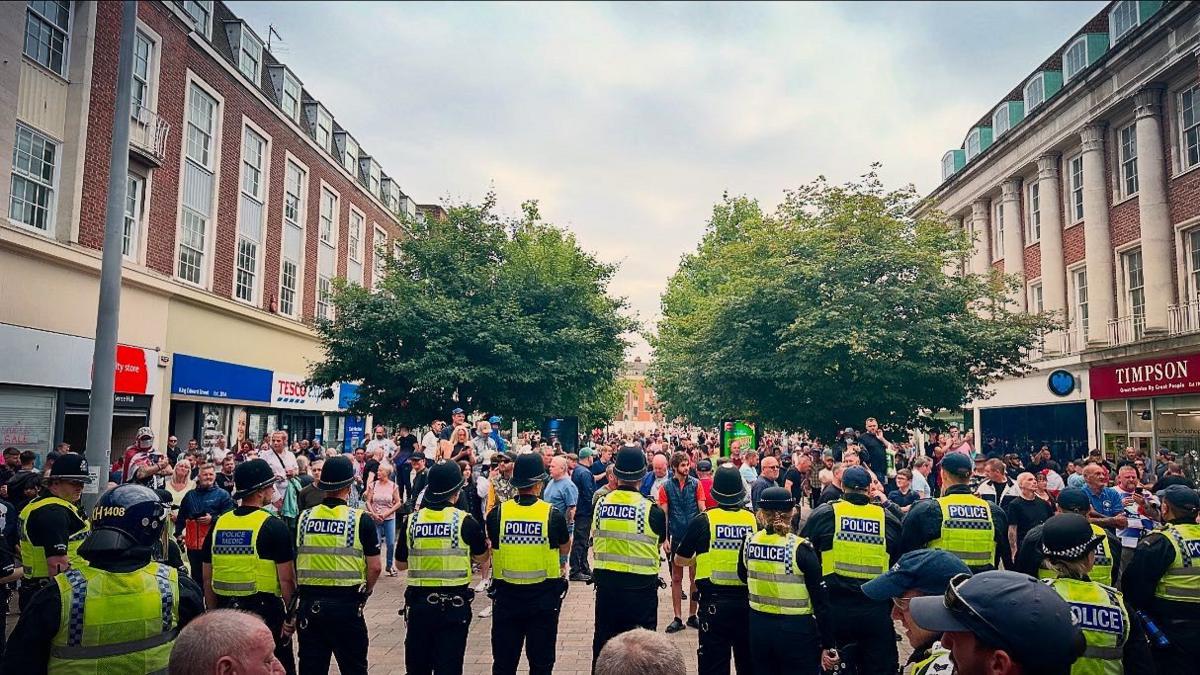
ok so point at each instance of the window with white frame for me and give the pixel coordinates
(997, 230)
(293, 239)
(378, 258)
(1079, 301)
(947, 166)
(1075, 188)
(135, 195)
(328, 231)
(1033, 212)
(1001, 121)
(290, 98)
(143, 52)
(199, 171)
(1189, 127)
(1121, 19)
(1075, 57)
(34, 176)
(324, 130)
(350, 160)
(1127, 146)
(373, 175)
(249, 54)
(327, 254)
(201, 13)
(1035, 92)
(1036, 300)
(354, 233)
(47, 33)
(1135, 288)
(1193, 247)
(973, 143)
(250, 215)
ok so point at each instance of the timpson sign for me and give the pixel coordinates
(1166, 376)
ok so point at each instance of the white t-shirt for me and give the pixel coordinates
(429, 444)
(280, 464)
(389, 448)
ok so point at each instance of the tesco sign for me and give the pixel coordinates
(293, 391)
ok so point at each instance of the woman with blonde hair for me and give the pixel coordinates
(458, 447)
(790, 625)
(383, 500)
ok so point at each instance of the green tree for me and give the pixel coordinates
(832, 309)
(487, 313)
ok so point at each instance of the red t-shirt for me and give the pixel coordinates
(706, 493)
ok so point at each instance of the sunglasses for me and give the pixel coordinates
(500, 461)
(901, 603)
(955, 602)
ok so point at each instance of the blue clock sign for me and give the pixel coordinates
(1061, 383)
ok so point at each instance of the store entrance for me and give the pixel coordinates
(301, 426)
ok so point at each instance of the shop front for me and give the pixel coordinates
(209, 399)
(310, 412)
(1047, 407)
(1152, 405)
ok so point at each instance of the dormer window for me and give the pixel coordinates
(1035, 92)
(201, 12)
(973, 144)
(287, 90)
(247, 49)
(1075, 57)
(1000, 121)
(350, 156)
(1123, 18)
(320, 125)
(952, 161)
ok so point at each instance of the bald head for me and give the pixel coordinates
(659, 463)
(640, 651)
(559, 467)
(224, 641)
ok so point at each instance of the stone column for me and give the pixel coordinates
(981, 259)
(1014, 239)
(1102, 297)
(1153, 212)
(1054, 268)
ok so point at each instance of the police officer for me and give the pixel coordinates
(10, 567)
(711, 543)
(1115, 644)
(437, 548)
(53, 526)
(530, 541)
(791, 630)
(1163, 580)
(337, 565)
(925, 571)
(248, 558)
(959, 522)
(1107, 566)
(857, 541)
(627, 532)
(119, 612)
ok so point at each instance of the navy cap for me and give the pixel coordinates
(927, 570)
(456, 411)
(704, 465)
(1009, 610)
(1181, 496)
(957, 464)
(856, 478)
(1075, 500)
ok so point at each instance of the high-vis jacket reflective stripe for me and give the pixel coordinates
(936, 663)
(438, 556)
(328, 550)
(524, 555)
(859, 550)
(1099, 611)
(727, 532)
(115, 622)
(967, 530)
(1181, 581)
(621, 536)
(1102, 571)
(34, 556)
(776, 585)
(237, 569)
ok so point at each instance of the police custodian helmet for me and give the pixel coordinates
(132, 511)
(445, 480)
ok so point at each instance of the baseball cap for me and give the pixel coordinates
(1180, 495)
(957, 464)
(145, 432)
(856, 478)
(927, 570)
(1074, 499)
(456, 411)
(704, 465)
(1009, 610)
(495, 419)
(584, 453)
(417, 457)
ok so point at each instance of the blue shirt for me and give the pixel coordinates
(586, 484)
(562, 494)
(1075, 480)
(1107, 503)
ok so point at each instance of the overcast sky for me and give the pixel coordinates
(628, 121)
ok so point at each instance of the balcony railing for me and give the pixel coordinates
(1126, 329)
(1183, 318)
(148, 135)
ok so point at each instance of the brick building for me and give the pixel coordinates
(640, 411)
(246, 201)
(1083, 182)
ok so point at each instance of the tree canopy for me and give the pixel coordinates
(501, 315)
(834, 308)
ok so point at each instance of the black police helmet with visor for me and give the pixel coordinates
(127, 515)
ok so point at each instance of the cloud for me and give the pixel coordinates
(627, 121)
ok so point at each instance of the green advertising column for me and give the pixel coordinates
(738, 430)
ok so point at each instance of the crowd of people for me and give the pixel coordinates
(797, 556)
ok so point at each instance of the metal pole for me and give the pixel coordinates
(104, 359)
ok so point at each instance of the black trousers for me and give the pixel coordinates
(580, 544)
(403, 479)
(270, 608)
(196, 567)
(1182, 655)
(724, 627)
(436, 637)
(530, 618)
(5, 594)
(332, 628)
(781, 644)
(622, 609)
(863, 629)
